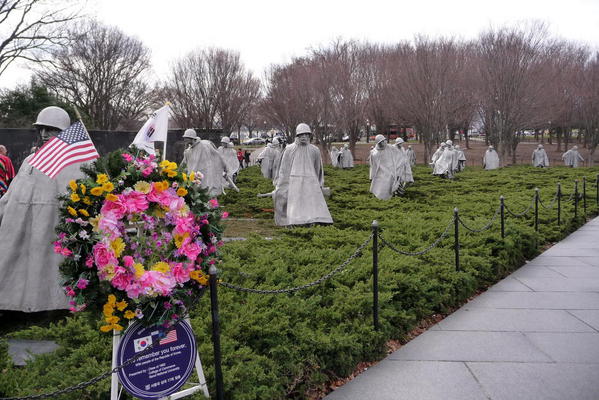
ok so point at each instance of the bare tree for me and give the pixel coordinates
(588, 90)
(29, 28)
(512, 75)
(211, 89)
(102, 73)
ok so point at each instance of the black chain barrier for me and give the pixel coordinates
(356, 254)
(485, 227)
(552, 203)
(421, 252)
(517, 215)
(96, 379)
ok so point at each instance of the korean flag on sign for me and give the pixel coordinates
(142, 343)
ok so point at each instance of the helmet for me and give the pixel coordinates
(409, 146)
(491, 147)
(225, 139)
(190, 133)
(302, 129)
(574, 147)
(457, 147)
(54, 117)
(379, 138)
(540, 146)
(449, 143)
(275, 141)
(398, 140)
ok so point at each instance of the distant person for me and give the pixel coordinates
(572, 157)
(7, 171)
(240, 158)
(411, 154)
(539, 157)
(461, 158)
(246, 158)
(491, 159)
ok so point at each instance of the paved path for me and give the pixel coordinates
(534, 335)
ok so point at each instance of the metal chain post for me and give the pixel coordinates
(536, 209)
(559, 203)
(576, 199)
(375, 274)
(218, 372)
(584, 195)
(456, 245)
(502, 207)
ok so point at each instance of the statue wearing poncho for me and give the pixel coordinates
(383, 169)
(539, 157)
(298, 195)
(29, 276)
(229, 154)
(572, 157)
(346, 159)
(491, 159)
(203, 156)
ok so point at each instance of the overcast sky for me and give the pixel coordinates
(274, 31)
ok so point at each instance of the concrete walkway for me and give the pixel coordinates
(534, 335)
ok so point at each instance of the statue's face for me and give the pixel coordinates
(381, 145)
(188, 141)
(303, 139)
(45, 133)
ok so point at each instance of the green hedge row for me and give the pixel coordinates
(285, 346)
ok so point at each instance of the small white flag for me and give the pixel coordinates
(142, 343)
(154, 130)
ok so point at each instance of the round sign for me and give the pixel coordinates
(165, 368)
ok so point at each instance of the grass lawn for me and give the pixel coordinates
(291, 345)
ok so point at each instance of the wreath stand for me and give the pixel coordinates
(116, 388)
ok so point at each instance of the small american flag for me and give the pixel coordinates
(170, 337)
(71, 146)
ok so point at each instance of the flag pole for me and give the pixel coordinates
(168, 103)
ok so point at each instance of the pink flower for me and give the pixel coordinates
(191, 250)
(225, 215)
(109, 224)
(89, 261)
(157, 282)
(167, 305)
(180, 273)
(134, 201)
(127, 157)
(66, 252)
(147, 171)
(82, 283)
(69, 291)
(103, 255)
(134, 289)
(117, 208)
(213, 203)
(121, 278)
(128, 261)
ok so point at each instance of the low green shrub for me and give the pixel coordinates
(281, 346)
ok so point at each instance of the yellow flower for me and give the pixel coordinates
(192, 176)
(113, 319)
(129, 314)
(171, 174)
(83, 188)
(108, 310)
(75, 197)
(111, 197)
(161, 266)
(139, 270)
(106, 328)
(180, 238)
(161, 186)
(199, 277)
(97, 191)
(94, 221)
(172, 165)
(117, 246)
(142, 187)
(164, 164)
(83, 212)
(181, 192)
(73, 185)
(121, 305)
(87, 200)
(72, 211)
(117, 327)
(102, 178)
(111, 299)
(108, 187)
(160, 213)
(184, 175)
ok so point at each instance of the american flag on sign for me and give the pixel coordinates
(170, 337)
(71, 146)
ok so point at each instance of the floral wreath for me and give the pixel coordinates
(138, 237)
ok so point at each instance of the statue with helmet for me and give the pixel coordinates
(270, 160)
(539, 157)
(404, 168)
(29, 277)
(298, 194)
(572, 157)
(383, 169)
(227, 151)
(202, 156)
